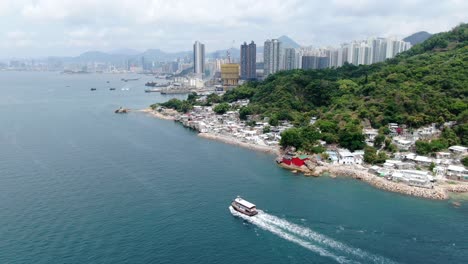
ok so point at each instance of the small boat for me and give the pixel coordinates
(121, 110)
(112, 89)
(152, 90)
(244, 207)
(93, 89)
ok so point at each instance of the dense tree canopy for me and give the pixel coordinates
(427, 84)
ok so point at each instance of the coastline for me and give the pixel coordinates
(156, 114)
(441, 191)
(236, 142)
(217, 137)
(437, 193)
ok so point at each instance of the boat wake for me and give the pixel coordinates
(311, 240)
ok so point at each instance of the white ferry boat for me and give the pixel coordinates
(244, 207)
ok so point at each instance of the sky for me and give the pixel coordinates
(40, 28)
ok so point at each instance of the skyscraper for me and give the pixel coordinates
(289, 59)
(310, 62)
(249, 61)
(271, 55)
(199, 58)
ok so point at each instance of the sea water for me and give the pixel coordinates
(80, 184)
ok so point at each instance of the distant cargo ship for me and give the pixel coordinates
(155, 84)
(127, 80)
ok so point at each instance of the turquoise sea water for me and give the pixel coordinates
(80, 184)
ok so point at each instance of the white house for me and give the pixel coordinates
(348, 158)
(370, 134)
(413, 178)
(457, 173)
(402, 143)
(458, 150)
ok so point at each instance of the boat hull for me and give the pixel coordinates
(242, 211)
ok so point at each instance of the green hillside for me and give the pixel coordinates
(426, 84)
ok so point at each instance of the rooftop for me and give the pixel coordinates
(244, 203)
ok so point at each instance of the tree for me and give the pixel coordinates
(351, 137)
(465, 161)
(423, 147)
(427, 147)
(310, 134)
(273, 121)
(449, 136)
(251, 123)
(329, 138)
(327, 126)
(174, 103)
(213, 99)
(370, 155)
(291, 138)
(381, 157)
(379, 140)
(221, 108)
(185, 107)
(244, 112)
(462, 132)
(192, 97)
(266, 129)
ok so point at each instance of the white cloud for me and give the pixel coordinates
(76, 25)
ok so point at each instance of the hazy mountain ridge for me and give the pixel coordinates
(124, 54)
(418, 37)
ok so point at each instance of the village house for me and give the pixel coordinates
(347, 158)
(426, 132)
(413, 178)
(370, 135)
(458, 173)
(402, 143)
(458, 150)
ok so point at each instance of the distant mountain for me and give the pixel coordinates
(287, 42)
(124, 51)
(159, 55)
(122, 55)
(234, 52)
(98, 56)
(418, 37)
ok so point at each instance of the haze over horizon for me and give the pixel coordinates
(68, 28)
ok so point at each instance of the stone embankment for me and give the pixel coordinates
(456, 187)
(437, 193)
(360, 173)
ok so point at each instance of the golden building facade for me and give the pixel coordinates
(230, 74)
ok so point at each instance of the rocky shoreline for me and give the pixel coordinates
(439, 192)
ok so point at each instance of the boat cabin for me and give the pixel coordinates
(244, 207)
